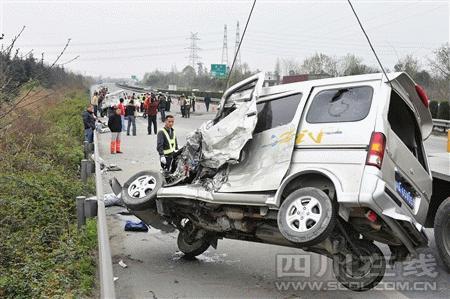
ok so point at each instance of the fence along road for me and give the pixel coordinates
(104, 251)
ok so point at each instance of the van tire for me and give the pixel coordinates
(442, 232)
(139, 192)
(307, 216)
(189, 246)
(350, 277)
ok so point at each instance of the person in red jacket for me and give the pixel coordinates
(145, 105)
(121, 106)
(152, 112)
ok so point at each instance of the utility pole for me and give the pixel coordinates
(236, 46)
(193, 50)
(225, 46)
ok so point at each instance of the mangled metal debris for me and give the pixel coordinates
(219, 142)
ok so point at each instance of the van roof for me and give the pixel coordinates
(334, 80)
(401, 79)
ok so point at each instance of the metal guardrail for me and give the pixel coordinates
(104, 252)
(441, 123)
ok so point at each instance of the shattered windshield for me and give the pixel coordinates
(340, 105)
(242, 94)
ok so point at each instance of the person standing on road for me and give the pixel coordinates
(187, 107)
(145, 105)
(162, 106)
(89, 123)
(94, 102)
(121, 106)
(115, 125)
(193, 99)
(167, 144)
(152, 114)
(207, 100)
(182, 103)
(169, 102)
(130, 114)
(101, 98)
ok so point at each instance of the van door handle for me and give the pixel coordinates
(251, 114)
(411, 171)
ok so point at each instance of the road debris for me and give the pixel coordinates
(131, 226)
(111, 199)
(122, 264)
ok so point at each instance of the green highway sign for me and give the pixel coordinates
(219, 70)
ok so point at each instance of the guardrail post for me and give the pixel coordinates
(91, 147)
(81, 218)
(86, 149)
(90, 207)
(84, 170)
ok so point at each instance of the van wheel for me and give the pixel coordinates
(360, 273)
(139, 192)
(307, 216)
(188, 243)
(442, 232)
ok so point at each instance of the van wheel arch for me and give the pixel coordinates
(310, 179)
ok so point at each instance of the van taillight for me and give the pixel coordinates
(376, 149)
(422, 95)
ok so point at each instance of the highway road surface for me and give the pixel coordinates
(156, 269)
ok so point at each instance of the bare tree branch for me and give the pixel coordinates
(32, 87)
(69, 61)
(11, 46)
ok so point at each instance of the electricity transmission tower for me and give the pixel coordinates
(225, 46)
(193, 50)
(236, 46)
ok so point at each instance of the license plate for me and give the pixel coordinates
(405, 194)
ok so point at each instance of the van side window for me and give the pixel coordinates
(340, 105)
(404, 124)
(277, 112)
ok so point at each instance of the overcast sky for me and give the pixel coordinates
(124, 38)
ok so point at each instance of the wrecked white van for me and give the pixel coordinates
(328, 166)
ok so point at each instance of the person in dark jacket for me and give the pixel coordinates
(152, 112)
(115, 125)
(89, 123)
(182, 103)
(193, 100)
(166, 143)
(162, 106)
(207, 100)
(130, 111)
(169, 102)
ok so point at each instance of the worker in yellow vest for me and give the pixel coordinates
(167, 144)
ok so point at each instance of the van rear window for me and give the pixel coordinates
(340, 105)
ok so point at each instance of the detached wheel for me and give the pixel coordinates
(360, 273)
(307, 216)
(139, 192)
(442, 232)
(188, 244)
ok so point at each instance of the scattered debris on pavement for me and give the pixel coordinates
(122, 264)
(131, 226)
(111, 199)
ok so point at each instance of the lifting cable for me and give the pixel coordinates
(240, 42)
(368, 40)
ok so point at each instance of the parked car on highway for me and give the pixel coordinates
(327, 166)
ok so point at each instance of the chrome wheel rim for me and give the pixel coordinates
(303, 214)
(141, 186)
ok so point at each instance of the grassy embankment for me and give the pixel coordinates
(42, 254)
